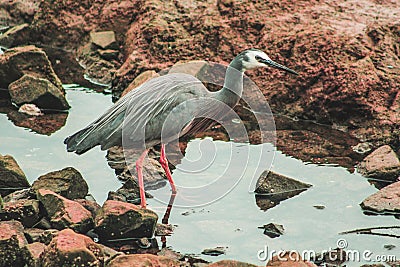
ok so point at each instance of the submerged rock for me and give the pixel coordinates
(118, 219)
(383, 163)
(128, 192)
(64, 213)
(214, 251)
(386, 200)
(144, 260)
(71, 249)
(24, 210)
(273, 230)
(12, 242)
(12, 177)
(38, 91)
(273, 188)
(67, 182)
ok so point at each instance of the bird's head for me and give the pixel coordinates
(254, 58)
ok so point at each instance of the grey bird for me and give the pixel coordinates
(165, 108)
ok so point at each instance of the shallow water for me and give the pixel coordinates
(233, 220)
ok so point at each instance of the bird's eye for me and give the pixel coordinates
(258, 58)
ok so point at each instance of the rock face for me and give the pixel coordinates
(41, 92)
(273, 188)
(67, 182)
(11, 36)
(71, 249)
(24, 210)
(12, 241)
(118, 219)
(12, 177)
(64, 213)
(386, 200)
(144, 260)
(383, 163)
(17, 62)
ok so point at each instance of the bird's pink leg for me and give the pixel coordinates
(139, 168)
(164, 164)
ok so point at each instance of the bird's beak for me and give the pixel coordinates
(278, 66)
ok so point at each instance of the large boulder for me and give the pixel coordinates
(12, 178)
(12, 242)
(18, 61)
(64, 213)
(383, 163)
(386, 200)
(67, 182)
(118, 219)
(38, 91)
(71, 249)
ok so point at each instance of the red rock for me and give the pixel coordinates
(64, 213)
(139, 80)
(105, 39)
(11, 176)
(39, 235)
(144, 260)
(118, 219)
(383, 163)
(71, 249)
(385, 200)
(12, 241)
(289, 259)
(32, 253)
(90, 205)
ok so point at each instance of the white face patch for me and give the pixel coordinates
(252, 62)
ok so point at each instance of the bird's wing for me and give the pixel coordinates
(137, 113)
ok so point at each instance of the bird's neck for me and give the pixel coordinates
(233, 85)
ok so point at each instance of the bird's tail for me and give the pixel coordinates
(81, 141)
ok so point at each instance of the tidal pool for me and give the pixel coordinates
(231, 220)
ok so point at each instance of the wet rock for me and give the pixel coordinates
(273, 188)
(71, 249)
(45, 124)
(214, 251)
(90, 205)
(40, 235)
(32, 253)
(12, 242)
(389, 246)
(18, 61)
(230, 263)
(24, 210)
(273, 230)
(335, 257)
(384, 201)
(129, 192)
(289, 259)
(164, 229)
(39, 91)
(383, 163)
(118, 219)
(12, 177)
(104, 40)
(64, 213)
(67, 182)
(142, 260)
(12, 35)
(97, 69)
(139, 80)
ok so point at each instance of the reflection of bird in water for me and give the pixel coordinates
(139, 118)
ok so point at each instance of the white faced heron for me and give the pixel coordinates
(169, 96)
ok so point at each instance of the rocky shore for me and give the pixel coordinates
(348, 92)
